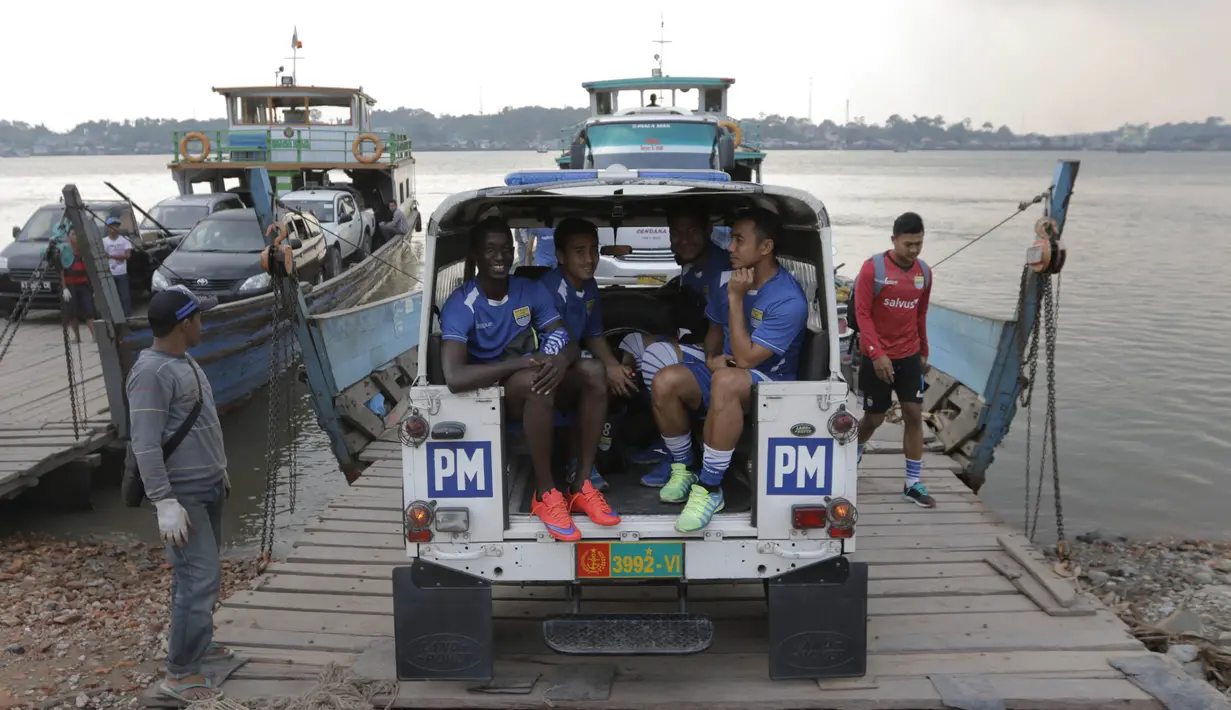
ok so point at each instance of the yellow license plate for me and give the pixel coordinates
(652, 279)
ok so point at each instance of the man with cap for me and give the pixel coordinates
(119, 250)
(167, 389)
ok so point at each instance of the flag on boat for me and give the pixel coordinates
(295, 43)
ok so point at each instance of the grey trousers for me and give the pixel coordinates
(196, 578)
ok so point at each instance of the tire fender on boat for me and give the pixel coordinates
(194, 135)
(268, 254)
(735, 130)
(360, 140)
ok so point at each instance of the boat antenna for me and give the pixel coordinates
(660, 42)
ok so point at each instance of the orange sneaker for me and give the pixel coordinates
(591, 502)
(554, 514)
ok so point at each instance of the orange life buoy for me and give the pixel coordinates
(288, 255)
(734, 128)
(367, 137)
(194, 135)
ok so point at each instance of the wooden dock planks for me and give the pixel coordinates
(36, 425)
(936, 608)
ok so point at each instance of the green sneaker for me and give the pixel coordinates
(700, 510)
(676, 490)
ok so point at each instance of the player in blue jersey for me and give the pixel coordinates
(702, 265)
(759, 316)
(499, 329)
(574, 292)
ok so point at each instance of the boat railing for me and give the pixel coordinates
(289, 145)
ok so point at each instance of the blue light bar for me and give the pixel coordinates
(539, 177)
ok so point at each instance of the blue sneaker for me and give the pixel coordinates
(650, 454)
(658, 476)
(918, 494)
(596, 479)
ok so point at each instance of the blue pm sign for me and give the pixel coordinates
(460, 469)
(799, 467)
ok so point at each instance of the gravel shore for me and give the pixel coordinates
(83, 623)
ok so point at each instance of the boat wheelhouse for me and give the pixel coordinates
(304, 136)
(664, 122)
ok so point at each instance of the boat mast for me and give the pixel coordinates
(295, 46)
(660, 42)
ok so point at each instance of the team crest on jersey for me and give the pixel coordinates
(589, 306)
(757, 315)
(919, 281)
(521, 316)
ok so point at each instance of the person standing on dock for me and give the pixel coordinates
(165, 389)
(78, 299)
(892, 292)
(119, 250)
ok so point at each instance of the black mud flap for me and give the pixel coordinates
(818, 621)
(442, 623)
(628, 634)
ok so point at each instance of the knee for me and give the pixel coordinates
(668, 382)
(731, 384)
(592, 373)
(912, 416)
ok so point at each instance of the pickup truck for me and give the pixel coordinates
(348, 226)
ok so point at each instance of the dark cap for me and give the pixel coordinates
(175, 304)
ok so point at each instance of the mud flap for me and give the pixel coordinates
(818, 621)
(442, 623)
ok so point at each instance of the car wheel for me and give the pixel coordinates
(333, 263)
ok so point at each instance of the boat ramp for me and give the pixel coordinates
(963, 613)
(37, 432)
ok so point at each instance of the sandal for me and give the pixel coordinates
(177, 693)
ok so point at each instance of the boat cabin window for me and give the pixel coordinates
(249, 110)
(713, 101)
(603, 99)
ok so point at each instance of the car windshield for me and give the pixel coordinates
(175, 216)
(226, 235)
(653, 145)
(322, 210)
(42, 224)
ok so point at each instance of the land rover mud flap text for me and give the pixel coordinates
(442, 623)
(818, 621)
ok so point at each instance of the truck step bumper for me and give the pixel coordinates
(628, 634)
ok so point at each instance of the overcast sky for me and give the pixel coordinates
(1045, 65)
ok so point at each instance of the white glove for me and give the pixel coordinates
(67, 295)
(172, 521)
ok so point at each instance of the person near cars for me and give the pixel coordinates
(500, 329)
(76, 295)
(119, 251)
(892, 292)
(395, 227)
(760, 313)
(166, 388)
(575, 293)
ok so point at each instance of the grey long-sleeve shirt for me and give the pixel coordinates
(399, 224)
(162, 390)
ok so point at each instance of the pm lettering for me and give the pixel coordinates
(460, 470)
(800, 467)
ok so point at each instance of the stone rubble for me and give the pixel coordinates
(83, 623)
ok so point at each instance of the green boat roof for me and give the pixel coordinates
(658, 82)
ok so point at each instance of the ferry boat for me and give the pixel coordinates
(303, 137)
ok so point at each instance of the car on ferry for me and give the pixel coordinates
(21, 262)
(220, 256)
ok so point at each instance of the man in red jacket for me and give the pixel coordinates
(891, 308)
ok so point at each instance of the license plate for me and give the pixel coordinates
(629, 560)
(652, 279)
(35, 285)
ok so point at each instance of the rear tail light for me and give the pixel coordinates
(808, 517)
(843, 426)
(841, 515)
(414, 429)
(418, 521)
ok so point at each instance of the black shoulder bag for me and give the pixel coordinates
(132, 488)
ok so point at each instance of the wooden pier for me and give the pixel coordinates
(955, 613)
(36, 419)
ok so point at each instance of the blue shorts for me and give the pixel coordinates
(702, 373)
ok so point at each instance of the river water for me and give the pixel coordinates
(1143, 372)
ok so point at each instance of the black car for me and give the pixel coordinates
(20, 260)
(220, 256)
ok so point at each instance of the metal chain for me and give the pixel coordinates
(20, 309)
(1044, 327)
(281, 422)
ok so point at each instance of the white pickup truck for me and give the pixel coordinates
(348, 226)
(790, 519)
